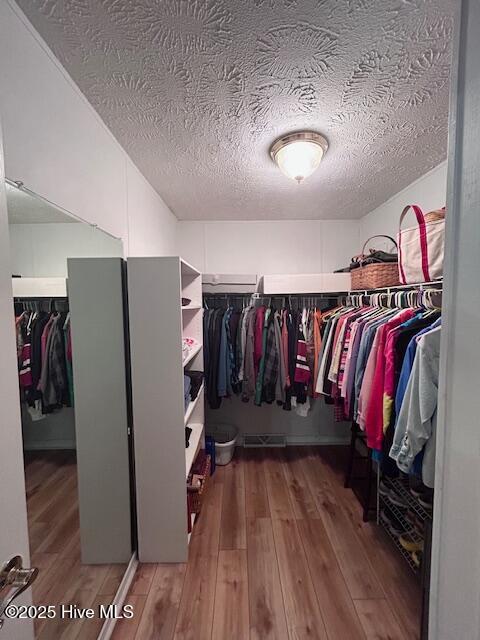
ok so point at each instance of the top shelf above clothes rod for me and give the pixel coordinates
(39, 287)
(306, 283)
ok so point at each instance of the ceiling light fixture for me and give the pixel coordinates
(298, 154)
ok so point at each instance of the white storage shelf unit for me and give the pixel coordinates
(162, 462)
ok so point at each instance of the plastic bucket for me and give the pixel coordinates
(225, 436)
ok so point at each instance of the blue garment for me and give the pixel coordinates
(407, 366)
(408, 323)
(366, 343)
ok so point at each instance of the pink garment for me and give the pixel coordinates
(288, 383)
(347, 337)
(374, 410)
(258, 339)
(343, 342)
(366, 388)
(25, 375)
(389, 377)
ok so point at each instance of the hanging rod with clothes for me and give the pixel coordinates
(321, 300)
(437, 284)
(420, 295)
(32, 303)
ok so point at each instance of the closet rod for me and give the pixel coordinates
(421, 286)
(42, 303)
(269, 296)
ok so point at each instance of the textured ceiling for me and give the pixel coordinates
(197, 90)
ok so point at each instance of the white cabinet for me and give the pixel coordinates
(162, 462)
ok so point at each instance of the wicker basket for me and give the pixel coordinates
(378, 275)
(195, 495)
(435, 216)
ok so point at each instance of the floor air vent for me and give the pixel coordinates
(264, 440)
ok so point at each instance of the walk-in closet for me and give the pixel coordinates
(239, 247)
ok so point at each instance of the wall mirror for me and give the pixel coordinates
(68, 288)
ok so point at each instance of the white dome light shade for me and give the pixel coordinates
(299, 154)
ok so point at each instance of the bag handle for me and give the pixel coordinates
(362, 259)
(380, 236)
(417, 211)
(423, 241)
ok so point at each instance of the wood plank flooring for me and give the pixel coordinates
(54, 528)
(279, 552)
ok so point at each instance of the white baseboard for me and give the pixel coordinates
(281, 440)
(320, 440)
(49, 445)
(120, 597)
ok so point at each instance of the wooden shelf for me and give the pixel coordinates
(194, 446)
(192, 354)
(191, 405)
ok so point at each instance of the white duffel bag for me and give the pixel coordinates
(421, 248)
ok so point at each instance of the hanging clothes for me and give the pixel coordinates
(271, 362)
(214, 338)
(45, 361)
(263, 353)
(416, 425)
(248, 386)
(366, 367)
(281, 379)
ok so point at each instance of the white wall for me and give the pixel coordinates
(55, 142)
(41, 250)
(268, 247)
(318, 427)
(152, 228)
(13, 508)
(429, 192)
(455, 582)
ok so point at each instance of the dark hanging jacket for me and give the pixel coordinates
(271, 362)
(36, 356)
(56, 389)
(214, 334)
(292, 328)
